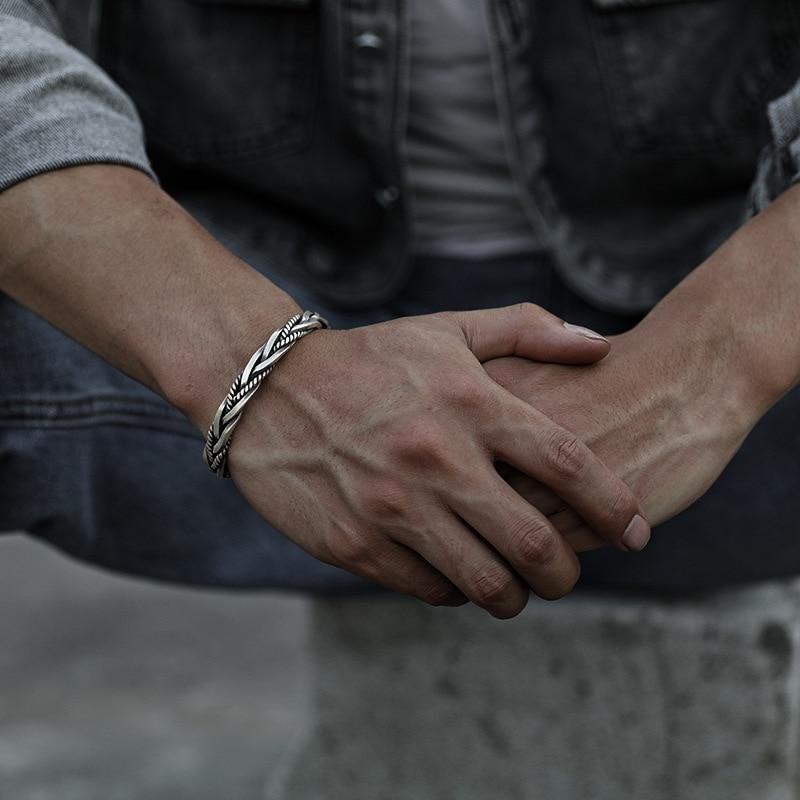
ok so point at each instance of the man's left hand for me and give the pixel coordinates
(660, 411)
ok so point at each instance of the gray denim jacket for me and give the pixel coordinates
(658, 126)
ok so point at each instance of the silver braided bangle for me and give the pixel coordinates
(262, 362)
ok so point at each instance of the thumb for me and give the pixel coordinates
(528, 331)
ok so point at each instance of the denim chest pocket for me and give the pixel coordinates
(689, 75)
(216, 79)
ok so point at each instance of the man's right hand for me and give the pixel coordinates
(374, 449)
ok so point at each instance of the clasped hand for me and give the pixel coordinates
(658, 410)
(375, 450)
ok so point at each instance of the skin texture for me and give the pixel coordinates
(678, 394)
(390, 472)
(373, 449)
(665, 437)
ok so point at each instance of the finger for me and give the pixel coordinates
(473, 567)
(528, 331)
(571, 527)
(400, 569)
(521, 534)
(539, 496)
(535, 445)
(577, 534)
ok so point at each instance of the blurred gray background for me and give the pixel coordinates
(115, 688)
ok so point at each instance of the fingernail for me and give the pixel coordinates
(587, 333)
(636, 535)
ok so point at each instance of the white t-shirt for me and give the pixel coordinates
(464, 201)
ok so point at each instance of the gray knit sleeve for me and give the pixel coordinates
(57, 108)
(779, 165)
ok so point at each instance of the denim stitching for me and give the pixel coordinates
(91, 411)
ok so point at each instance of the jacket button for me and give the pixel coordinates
(368, 41)
(387, 196)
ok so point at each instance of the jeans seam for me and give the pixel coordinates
(91, 411)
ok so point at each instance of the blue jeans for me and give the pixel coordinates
(103, 469)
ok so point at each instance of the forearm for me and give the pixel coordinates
(106, 256)
(677, 396)
(738, 311)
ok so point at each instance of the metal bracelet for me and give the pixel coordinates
(262, 362)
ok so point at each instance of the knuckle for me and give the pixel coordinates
(527, 308)
(463, 392)
(492, 586)
(383, 501)
(425, 446)
(353, 550)
(536, 543)
(565, 455)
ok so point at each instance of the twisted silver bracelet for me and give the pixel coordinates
(262, 362)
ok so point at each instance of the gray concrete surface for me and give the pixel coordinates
(593, 698)
(114, 689)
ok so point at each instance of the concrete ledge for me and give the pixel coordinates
(595, 698)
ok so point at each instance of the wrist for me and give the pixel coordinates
(737, 312)
(754, 296)
(705, 366)
(196, 378)
(103, 254)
